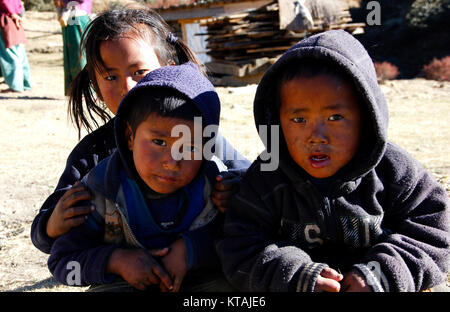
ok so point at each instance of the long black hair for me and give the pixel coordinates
(145, 24)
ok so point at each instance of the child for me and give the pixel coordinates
(145, 197)
(14, 66)
(73, 15)
(342, 199)
(121, 46)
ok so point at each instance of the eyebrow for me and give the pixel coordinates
(336, 106)
(160, 133)
(132, 65)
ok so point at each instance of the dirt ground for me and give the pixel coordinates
(36, 138)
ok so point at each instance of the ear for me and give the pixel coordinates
(129, 136)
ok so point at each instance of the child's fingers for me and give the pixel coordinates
(222, 194)
(75, 195)
(176, 284)
(159, 252)
(163, 287)
(163, 276)
(153, 279)
(226, 181)
(326, 284)
(75, 221)
(220, 204)
(77, 211)
(139, 286)
(331, 273)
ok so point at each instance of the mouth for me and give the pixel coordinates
(319, 160)
(165, 179)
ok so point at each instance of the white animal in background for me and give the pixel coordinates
(301, 9)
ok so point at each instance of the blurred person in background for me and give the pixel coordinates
(13, 59)
(74, 18)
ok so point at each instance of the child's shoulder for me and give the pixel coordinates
(100, 141)
(399, 167)
(262, 177)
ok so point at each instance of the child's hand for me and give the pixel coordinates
(175, 263)
(226, 186)
(355, 282)
(66, 214)
(328, 281)
(139, 267)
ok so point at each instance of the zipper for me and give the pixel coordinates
(128, 228)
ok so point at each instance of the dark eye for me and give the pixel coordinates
(110, 78)
(299, 120)
(159, 142)
(335, 117)
(141, 72)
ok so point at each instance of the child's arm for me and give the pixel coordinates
(83, 249)
(415, 255)
(79, 257)
(227, 184)
(81, 160)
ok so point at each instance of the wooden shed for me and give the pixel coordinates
(239, 39)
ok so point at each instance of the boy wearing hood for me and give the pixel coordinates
(154, 222)
(342, 199)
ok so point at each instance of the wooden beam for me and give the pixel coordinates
(213, 10)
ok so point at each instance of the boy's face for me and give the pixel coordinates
(152, 153)
(321, 122)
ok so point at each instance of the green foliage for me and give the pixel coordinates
(39, 5)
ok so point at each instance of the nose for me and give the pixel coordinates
(170, 164)
(127, 85)
(318, 134)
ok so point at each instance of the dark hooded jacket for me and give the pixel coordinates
(383, 214)
(121, 204)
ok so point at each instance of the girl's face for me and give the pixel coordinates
(127, 60)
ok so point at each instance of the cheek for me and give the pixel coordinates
(109, 96)
(190, 170)
(348, 135)
(145, 159)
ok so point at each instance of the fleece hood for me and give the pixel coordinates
(345, 51)
(185, 79)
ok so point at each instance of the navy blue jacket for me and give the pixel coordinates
(383, 214)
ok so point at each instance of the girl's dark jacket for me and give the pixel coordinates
(383, 215)
(93, 148)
